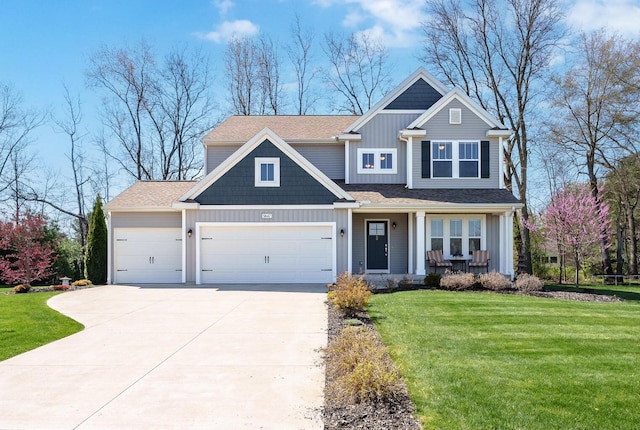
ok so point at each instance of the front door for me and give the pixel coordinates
(377, 246)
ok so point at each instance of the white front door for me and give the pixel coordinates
(147, 255)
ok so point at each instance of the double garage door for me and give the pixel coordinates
(147, 255)
(265, 253)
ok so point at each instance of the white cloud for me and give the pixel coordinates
(223, 6)
(231, 29)
(622, 16)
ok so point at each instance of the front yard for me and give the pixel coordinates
(26, 322)
(487, 361)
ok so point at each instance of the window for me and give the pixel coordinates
(377, 161)
(376, 229)
(455, 116)
(457, 235)
(442, 159)
(461, 163)
(267, 172)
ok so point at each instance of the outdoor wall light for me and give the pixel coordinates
(190, 233)
(341, 232)
(394, 225)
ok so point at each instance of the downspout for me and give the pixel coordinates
(409, 164)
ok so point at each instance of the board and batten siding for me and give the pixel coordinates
(338, 216)
(472, 128)
(381, 131)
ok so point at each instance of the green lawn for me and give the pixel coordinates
(26, 322)
(493, 361)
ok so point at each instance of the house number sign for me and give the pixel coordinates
(267, 216)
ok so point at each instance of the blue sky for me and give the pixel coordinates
(44, 44)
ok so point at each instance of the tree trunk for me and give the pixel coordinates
(633, 241)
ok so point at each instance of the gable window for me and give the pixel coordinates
(267, 172)
(455, 159)
(377, 160)
(456, 236)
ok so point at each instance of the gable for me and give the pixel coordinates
(237, 185)
(419, 96)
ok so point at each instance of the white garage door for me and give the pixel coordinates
(266, 253)
(147, 255)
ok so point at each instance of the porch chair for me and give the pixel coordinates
(437, 260)
(479, 259)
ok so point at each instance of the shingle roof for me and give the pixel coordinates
(241, 128)
(398, 194)
(150, 195)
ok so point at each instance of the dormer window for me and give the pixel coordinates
(267, 172)
(381, 160)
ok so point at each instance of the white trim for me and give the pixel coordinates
(244, 150)
(414, 133)
(259, 162)
(410, 243)
(499, 133)
(204, 224)
(350, 241)
(420, 243)
(455, 116)
(354, 137)
(387, 221)
(377, 154)
(421, 73)
(401, 111)
(347, 161)
(185, 237)
(109, 249)
(500, 163)
(263, 207)
(143, 209)
(442, 208)
(409, 162)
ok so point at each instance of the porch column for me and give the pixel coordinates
(411, 244)
(350, 241)
(109, 249)
(509, 243)
(420, 243)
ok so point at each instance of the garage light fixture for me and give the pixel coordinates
(341, 232)
(190, 233)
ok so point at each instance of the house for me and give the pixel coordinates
(304, 198)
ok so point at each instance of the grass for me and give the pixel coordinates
(494, 361)
(26, 322)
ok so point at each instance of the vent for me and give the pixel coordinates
(455, 116)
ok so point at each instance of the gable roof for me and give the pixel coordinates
(244, 150)
(421, 73)
(457, 94)
(149, 195)
(240, 128)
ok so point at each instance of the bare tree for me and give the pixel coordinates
(269, 76)
(359, 72)
(498, 51)
(598, 109)
(300, 55)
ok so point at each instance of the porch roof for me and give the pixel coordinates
(397, 195)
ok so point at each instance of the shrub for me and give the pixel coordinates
(361, 368)
(494, 281)
(350, 294)
(59, 287)
(21, 288)
(458, 281)
(527, 283)
(81, 283)
(432, 280)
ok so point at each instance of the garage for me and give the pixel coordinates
(265, 253)
(147, 255)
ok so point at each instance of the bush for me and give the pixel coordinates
(527, 283)
(494, 281)
(81, 283)
(432, 280)
(59, 287)
(350, 294)
(21, 288)
(361, 368)
(458, 281)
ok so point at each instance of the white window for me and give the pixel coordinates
(455, 116)
(463, 162)
(456, 236)
(267, 173)
(377, 160)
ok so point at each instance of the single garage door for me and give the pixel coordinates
(147, 255)
(266, 253)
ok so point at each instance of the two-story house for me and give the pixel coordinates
(303, 198)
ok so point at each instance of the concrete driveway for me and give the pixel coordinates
(231, 357)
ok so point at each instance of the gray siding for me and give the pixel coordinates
(217, 154)
(472, 128)
(398, 241)
(339, 217)
(493, 241)
(237, 186)
(329, 159)
(419, 96)
(146, 219)
(381, 132)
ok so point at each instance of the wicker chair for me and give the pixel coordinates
(479, 259)
(437, 260)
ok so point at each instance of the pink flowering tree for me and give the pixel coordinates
(576, 223)
(27, 255)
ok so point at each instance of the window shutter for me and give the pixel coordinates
(484, 159)
(426, 158)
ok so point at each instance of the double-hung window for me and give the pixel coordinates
(267, 172)
(455, 159)
(456, 235)
(377, 160)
